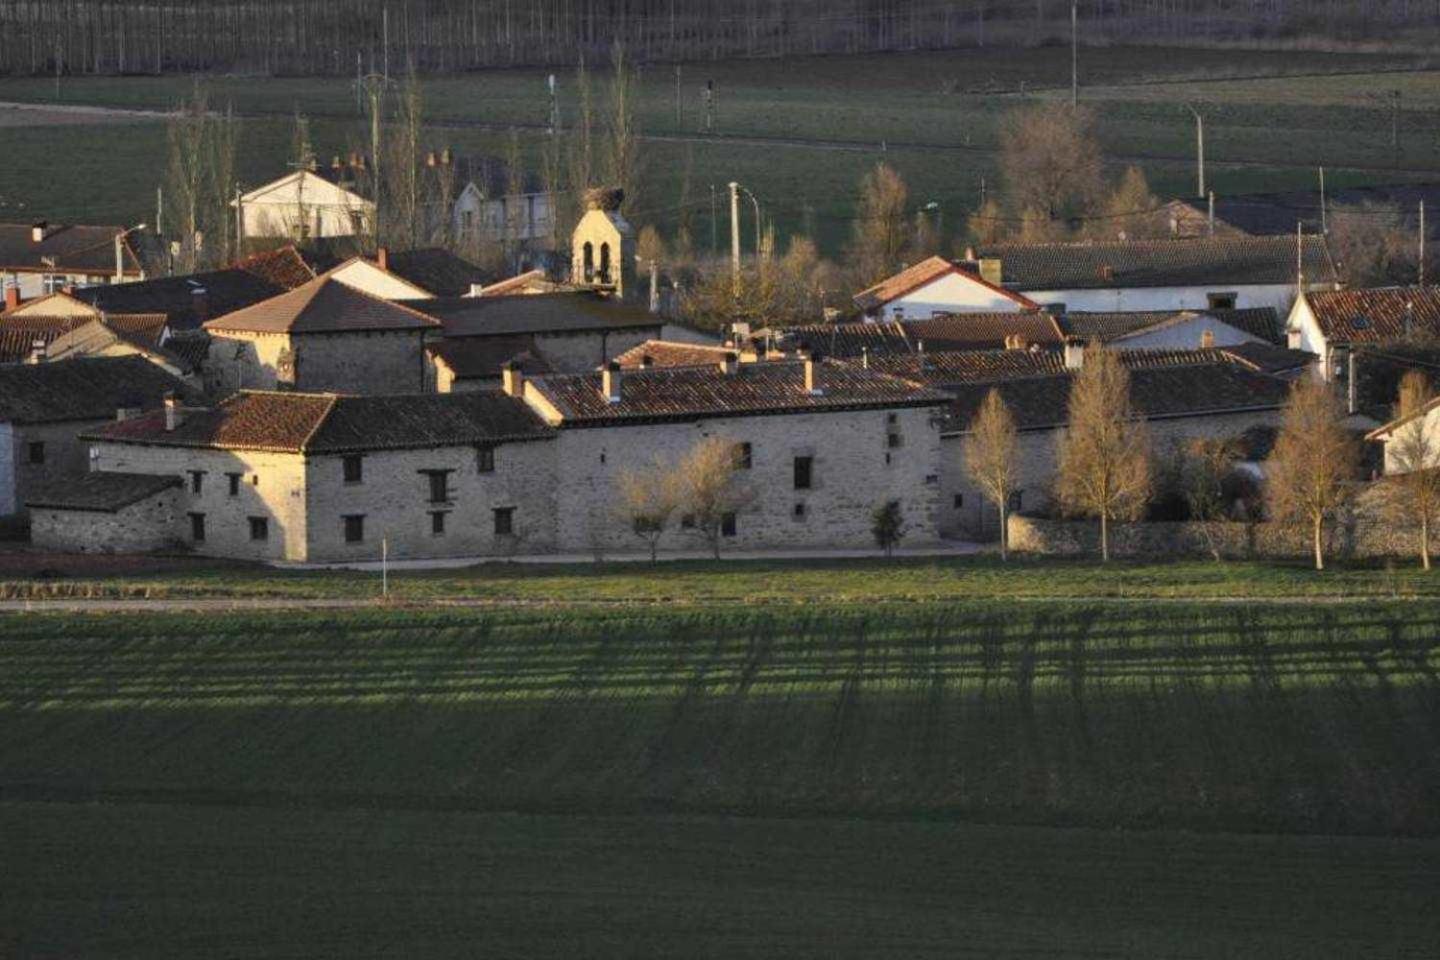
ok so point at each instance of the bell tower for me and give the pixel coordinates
(602, 248)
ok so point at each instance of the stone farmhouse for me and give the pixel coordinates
(1334, 323)
(40, 258)
(44, 407)
(533, 468)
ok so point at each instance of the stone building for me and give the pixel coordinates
(317, 477)
(602, 246)
(45, 407)
(324, 335)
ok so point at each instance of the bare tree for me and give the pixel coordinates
(986, 225)
(1131, 211)
(881, 230)
(1374, 244)
(200, 182)
(404, 193)
(1206, 464)
(1413, 455)
(1310, 474)
(623, 161)
(1050, 161)
(991, 458)
(1105, 464)
(712, 492)
(648, 499)
(887, 526)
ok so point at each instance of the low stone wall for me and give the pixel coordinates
(1355, 539)
(138, 528)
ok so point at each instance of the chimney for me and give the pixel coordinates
(654, 286)
(991, 270)
(430, 159)
(1292, 338)
(864, 358)
(610, 382)
(446, 157)
(1207, 339)
(646, 361)
(174, 416)
(730, 363)
(382, 258)
(1352, 387)
(512, 379)
(37, 352)
(807, 361)
(12, 297)
(200, 303)
(1074, 353)
(39, 231)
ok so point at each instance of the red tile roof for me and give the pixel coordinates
(927, 271)
(1376, 315)
(1262, 322)
(324, 305)
(470, 358)
(667, 353)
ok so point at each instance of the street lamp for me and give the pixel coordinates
(120, 250)
(1199, 146)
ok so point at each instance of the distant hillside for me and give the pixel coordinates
(343, 37)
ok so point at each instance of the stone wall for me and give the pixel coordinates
(64, 455)
(585, 350)
(371, 362)
(151, 524)
(855, 470)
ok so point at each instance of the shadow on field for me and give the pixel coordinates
(1260, 717)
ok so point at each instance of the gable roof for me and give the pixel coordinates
(18, 342)
(531, 281)
(928, 271)
(957, 331)
(140, 332)
(472, 358)
(327, 423)
(1262, 322)
(1377, 314)
(66, 248)
(101, 491)
(670, 353)
(324, 305)
(57, 304)
(1203, 261)
(86, 388)
(1157, 392)
(754, 389)
(1384, 430)
(575, 311)
(322, 177)
(947, 368)
(436, 271)
(1277, 213)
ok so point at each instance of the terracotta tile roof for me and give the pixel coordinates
(324, 305)
(470, 358)
(65, 248)
(17, 343)
(137, 328)
(1262, 322)
(755, 389)
(87, 388)
(1268, 358)
(439, 271)
(101, 492)
(668, 353)
(845, 339)
(41, 323)
(142, 334)
(1157, 392)
(532, 281)
(960, 331)
(1205, 261)
(1376, 315)
(192, 346)
(569, 312)
(284, 267)
(918, 275)
(945, 368)
(327, 423)
(185, 301)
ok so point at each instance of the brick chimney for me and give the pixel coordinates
(39, 231)
(12, 297)
(610, 382)
(382, 258)
(1074, 353)
(807, 364)
(174, 415)
(729, 363)
(646, 361)
(200, 303)
(1207, 339)
(512, 379)
(992, 270)
(38, 352)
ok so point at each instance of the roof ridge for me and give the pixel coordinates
(304, 444)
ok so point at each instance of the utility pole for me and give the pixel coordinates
(1422, 243)
(239, 224)
(385, 50)
(554, 106)
(714, 226)
(1199, 150)
(1324, 225)
(1075, 54)
(756, 201)
(735, 238)
(679, 116)
(160, 212)
(1395, 125)
(374, 87)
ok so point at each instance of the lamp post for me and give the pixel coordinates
(1199, 148)
(120, 251)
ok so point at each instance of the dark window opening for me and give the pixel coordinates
(589, 254)
(437, 523)
(439, 481)
(197, 527)
(959, 501)
(259, 528)
(197, 480)
(234, 479)
(504, 521)
(799, 512)
(1221, 301)
(355, 528)
(354, 469)
(742, 456)
(37, 452)
(485, 459)
(804, 472)
(892, 440)
(604, 263)
(1017, 499)
(727, 525)
(687, 522)
(892, 418)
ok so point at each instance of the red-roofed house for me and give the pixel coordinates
(937, 286)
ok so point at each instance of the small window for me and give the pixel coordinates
(234, 479)
(959, 501)
(1221, 301)
(727, 525)
(197, 481)
(37, 452)
(485, 459)
(892, 440)
(504, 521)
(742, 456)
(355, 528)
(892, 418)
(887, 458)
(197, 527)
(798, 512)
(259, 528)
(687, 522)
(804, 472)
(437, 523)
(354, 468)
(1017, 500)
(439, 481)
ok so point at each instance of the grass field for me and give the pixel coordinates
(86, 881)
(1255, 717)
(784, 582)
(933, 115)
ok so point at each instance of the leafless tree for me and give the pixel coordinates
(1375, 244)
(881, 231)
(200, 182)
(648, 499)
(1310, 474)
(992, 458)
(1414, 463)
(1130, 211)
(1206, 465)
(1050, 162)
(1105, 462)
(623, 166)
(712, 488)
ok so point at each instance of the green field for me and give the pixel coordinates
(149, 881)
(933, 115)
